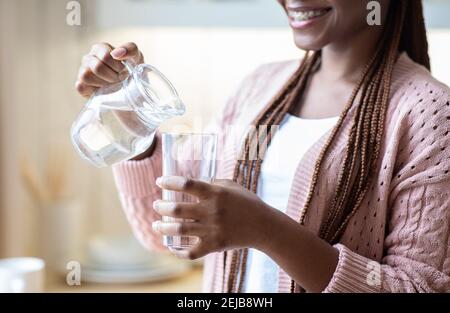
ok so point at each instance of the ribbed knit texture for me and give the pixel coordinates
(398, 241)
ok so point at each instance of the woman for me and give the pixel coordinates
(359, 201)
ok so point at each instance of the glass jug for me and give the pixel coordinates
(119, 121)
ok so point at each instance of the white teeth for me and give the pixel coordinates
(300, 16)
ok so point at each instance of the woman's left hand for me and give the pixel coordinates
(226, 216)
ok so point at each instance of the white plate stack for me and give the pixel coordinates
(121, 259)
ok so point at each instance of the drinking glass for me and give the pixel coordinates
(190, 156)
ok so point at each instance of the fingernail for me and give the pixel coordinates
(119, 52)
(159, 182)
(178, 182)
(155, 204)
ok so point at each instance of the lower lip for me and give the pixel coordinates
(305, 24)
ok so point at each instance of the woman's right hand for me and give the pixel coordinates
(103, 66)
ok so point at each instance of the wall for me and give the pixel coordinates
(39, 59)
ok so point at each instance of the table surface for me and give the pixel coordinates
(190, 282)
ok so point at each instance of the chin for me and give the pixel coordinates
(311, 43)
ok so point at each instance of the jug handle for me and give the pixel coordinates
(129, 66)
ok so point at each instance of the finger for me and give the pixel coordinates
(103, 53)
(179, 209)
(128, 51)
(84, 90)
(178, 183)
(87, 77)
(179, 228)
(124, 74)
(198, 251)
(228, 183)
(100, 69)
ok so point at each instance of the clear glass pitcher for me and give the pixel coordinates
(119, 121)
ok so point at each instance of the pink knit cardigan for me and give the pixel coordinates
(398, 241)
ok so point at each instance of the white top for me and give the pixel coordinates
(293, 139)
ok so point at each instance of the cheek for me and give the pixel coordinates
(351, 17)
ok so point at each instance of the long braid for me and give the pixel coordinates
(333, 227)
(263, 143)
(371, 95)
(242, 171)
(247, 171)
(350, 158)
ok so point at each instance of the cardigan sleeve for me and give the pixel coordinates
(416, 246)
(135, 182)
(417, 257)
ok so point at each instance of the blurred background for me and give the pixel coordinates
(56, 206)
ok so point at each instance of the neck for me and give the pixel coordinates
(346, 59)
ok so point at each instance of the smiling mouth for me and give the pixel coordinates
(302, 14)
